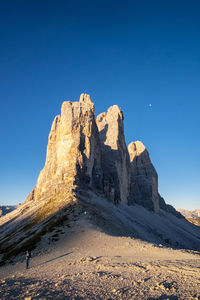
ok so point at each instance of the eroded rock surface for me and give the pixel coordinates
(144, 178)
(115, 157)
(73, 152)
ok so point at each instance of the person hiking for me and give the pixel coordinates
(28, 256)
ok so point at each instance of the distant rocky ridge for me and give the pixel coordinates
(86, 155)
(192, 216)
(190, 213)
(5, 209)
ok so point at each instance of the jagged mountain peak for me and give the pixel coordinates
(136, 147)
(84, 154)
(86, 99)
(144, 178)
(115, 109)
(112, 112)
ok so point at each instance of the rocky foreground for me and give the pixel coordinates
(82, 262)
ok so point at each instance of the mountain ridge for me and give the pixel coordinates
(190, 213)
(5, 209)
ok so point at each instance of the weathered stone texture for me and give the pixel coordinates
(115, 157)
(144, 178)
(73, 151)
(84, 153)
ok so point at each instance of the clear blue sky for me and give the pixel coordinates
(129, 53)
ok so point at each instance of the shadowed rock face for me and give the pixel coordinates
(73, 152)
(144, 178)
(6, 209)
(169, 208)
(115, 157)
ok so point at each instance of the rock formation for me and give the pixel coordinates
(144, 178)
(85, 157)
(6, 209)
(169, 208)
(73, 152)
(115, 157)
(84, 153)
(190, 213)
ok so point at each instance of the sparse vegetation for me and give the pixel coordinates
(60, 201)
(48, 219)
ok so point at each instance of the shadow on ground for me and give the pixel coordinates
(55, 258)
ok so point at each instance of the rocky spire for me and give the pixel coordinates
(73, 152)
(115, 157)
(144, 178)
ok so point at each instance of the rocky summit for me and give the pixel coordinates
(73, 152)
(115, 157)
(86, 153)
(88, 166)
(144, 178)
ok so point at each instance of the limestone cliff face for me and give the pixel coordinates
(115, 157)
(144, 178)
(73, 152)
(84, 153)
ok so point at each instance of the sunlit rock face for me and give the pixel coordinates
(144, 178)
(73, 152)
(84, 153)
(115, 157)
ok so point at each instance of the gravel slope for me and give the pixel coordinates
(86, 263)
